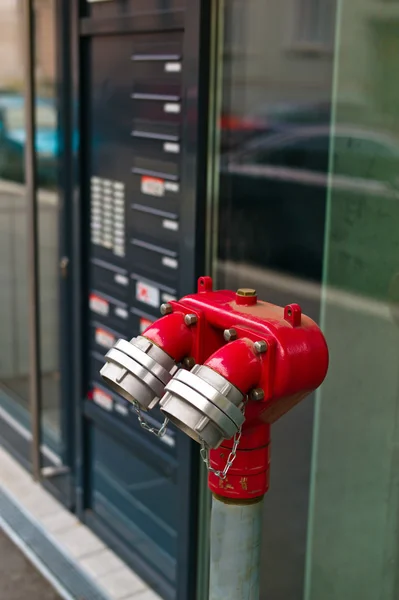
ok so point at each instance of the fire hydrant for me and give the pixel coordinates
(250, 362)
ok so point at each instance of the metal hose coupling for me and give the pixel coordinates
(203, 404)
(138, 370)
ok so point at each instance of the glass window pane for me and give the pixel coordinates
(14, 363)
(47, 160)
(353, 527)
(308, 212)
(275, 135)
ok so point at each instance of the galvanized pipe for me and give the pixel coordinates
(235, 537)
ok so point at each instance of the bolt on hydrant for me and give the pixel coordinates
(223, 366)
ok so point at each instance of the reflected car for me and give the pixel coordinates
(13, 139)
(269, 119)
(273, 192)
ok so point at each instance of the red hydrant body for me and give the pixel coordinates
(275, 355)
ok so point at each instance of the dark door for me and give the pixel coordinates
(141, 159)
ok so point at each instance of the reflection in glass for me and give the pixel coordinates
(14, 359)
(275, 136)
(47, 156)
(14, 364)
(353, 530)
(309, 212)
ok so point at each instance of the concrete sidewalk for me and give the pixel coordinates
(19, 579)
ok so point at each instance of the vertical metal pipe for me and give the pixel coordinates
(236, 531)
(32, 237)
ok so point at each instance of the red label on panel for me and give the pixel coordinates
(144, 323)
(98, 304)
(152, 186)
(104, 338)
(149, 294)
(102, 399)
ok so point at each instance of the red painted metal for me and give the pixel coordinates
(172, 335)
(238, 363)
(248, 477)
(295, 364)
(242, 300)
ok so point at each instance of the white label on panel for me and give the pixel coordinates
(168, 297)
(102, 399)
(171, 107)
(171, 225)
(171, 147)
(119, 251)
(95, 180)
(171, 263)
(118, 185)
(168, 440)
(121, 409)
(104, 338)
(152, 186)
(121, 279)
(173, 67)
(98, 305)
(147, 293)
(121, 312)
(171, 187)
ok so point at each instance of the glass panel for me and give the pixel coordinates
(47, 156)
(308, 195)
(275, 134)
(14, 364)
(353, 529)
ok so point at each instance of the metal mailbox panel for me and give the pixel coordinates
(155, 167)
(155, 225)
(158, 107)
(110, 279)
(101, 9)
(133, 146)
(161, 147)
(124, 484)
(160, 263)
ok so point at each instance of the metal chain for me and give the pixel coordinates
(230, 459)
(160, 432)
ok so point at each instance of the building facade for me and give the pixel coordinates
(145, 143)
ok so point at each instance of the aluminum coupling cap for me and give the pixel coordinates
(138, 370)
(204, 405)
